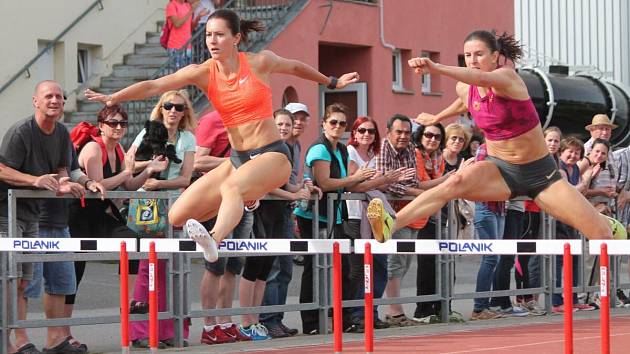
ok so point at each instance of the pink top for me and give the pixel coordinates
(501, 118)
(178, 36)
(211, 134)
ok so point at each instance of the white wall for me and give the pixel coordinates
(27, 25)
(577, 32)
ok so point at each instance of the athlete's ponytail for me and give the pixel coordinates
(238, 25)
(505, 43)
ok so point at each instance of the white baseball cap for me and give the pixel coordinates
(295, 107)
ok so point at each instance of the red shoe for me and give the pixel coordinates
(234, 333)
(216, 336)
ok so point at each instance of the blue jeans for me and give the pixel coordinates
(488, 226)
(59, 276)
(278, 280)
(181, 57)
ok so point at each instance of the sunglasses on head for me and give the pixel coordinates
(179, 107)
(115, 123)
(430, 135)
(370, 131)
(341, 123)
(457, 138)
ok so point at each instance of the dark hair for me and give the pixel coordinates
(572, 141)
(416, 137)
(237, 24)
(335, 108)
(283, 112)
(109, 111)
(601, 141)
(376, 144)
(505, 43)
(395, 117)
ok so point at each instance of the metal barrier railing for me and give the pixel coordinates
(179, 269)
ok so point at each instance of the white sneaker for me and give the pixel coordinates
(199, 234)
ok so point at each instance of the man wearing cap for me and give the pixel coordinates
(282, 269)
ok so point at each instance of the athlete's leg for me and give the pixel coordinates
(201, 200)
(481, 181)
(251, 181)
(565, 203)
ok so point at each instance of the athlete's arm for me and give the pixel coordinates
(273, 63)
(457, 107)
(191, 75)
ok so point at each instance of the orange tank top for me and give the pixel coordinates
(241, 100)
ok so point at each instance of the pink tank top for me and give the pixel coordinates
(501, 118)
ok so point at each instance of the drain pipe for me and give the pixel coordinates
(383, 43)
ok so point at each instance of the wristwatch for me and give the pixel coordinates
(333, 82)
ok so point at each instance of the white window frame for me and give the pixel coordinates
(397, 83)
(84, 66)
(360, 88)
(426, 78)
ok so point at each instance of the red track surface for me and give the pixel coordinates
(531, 338)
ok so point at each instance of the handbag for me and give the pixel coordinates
(148, 217)
(166, 32)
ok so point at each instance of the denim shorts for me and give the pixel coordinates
(28, 229)
(233, 264)
(58, 277)
(398, 264)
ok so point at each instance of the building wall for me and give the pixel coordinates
(108, 34)
(578, 33)
(350, 41)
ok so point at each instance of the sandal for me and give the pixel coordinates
(144, 344)
(28, 348)
(64, 347)
(138, 307)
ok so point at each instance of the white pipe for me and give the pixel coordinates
(385, 44)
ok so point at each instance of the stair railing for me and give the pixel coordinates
(27, 68)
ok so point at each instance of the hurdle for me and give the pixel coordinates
(567, 248)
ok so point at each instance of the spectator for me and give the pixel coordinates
(282, 269)
(489, 225)
(180, 121)
(34, 154)
(219, 279)
(571, 151)
(101, 218)
(273, 218)
(329, 174)
(397, 152)
(602, 190)
(180, 18)
(363, 147)
(429, 141)
(203, 12)
(456, 141)
(473, 146)
(527, 273)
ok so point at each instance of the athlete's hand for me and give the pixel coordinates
(422, 65)
(427, 119)
(107, 100)
(347, 79)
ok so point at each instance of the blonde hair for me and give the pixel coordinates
(455, 128)
(188, 122)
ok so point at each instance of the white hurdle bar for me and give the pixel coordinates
(472, 247)
(66, 244)
(615, 247)
(250, 246)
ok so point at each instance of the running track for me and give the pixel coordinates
(529, 338)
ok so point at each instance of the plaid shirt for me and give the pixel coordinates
(390, 159)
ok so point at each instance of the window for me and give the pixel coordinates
(430, 85)
(461, 60)
(397, 80)
(83, 65)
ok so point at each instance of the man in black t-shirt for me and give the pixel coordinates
(34, 153)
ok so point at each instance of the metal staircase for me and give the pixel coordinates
(149, 61)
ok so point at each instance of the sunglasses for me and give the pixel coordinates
(341, 123)
(179, 107)
(457, 138)
(370, 131)
(115, 123)
(430, 135)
